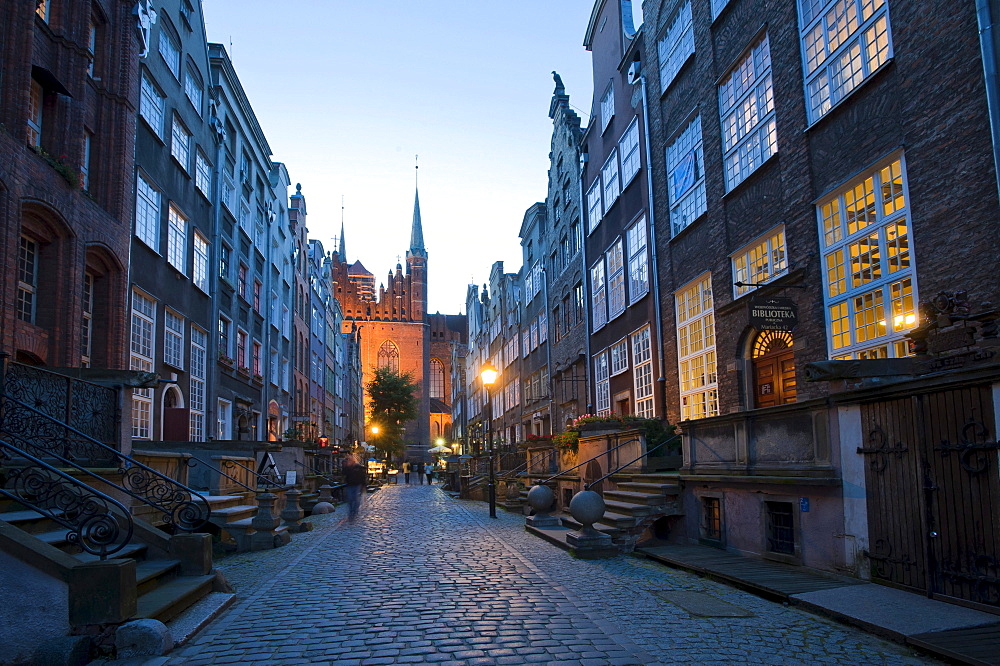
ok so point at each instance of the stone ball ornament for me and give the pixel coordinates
(322, 507)
(587, 507)
(540, 498)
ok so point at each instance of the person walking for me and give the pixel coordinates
(430, 474)
(406, 471)
(420, 472)
(355, 480)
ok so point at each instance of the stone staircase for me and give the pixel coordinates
(638, 501)
(242, 525)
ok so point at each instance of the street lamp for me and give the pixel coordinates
(489, 376)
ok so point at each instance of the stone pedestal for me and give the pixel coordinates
(326, 493)
(292, 514)
(540, 498)
(266, 533)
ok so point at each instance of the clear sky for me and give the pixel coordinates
(347, 92)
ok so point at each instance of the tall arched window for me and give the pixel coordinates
(388, 356)
(437, 379)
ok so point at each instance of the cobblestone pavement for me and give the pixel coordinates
(423, 578)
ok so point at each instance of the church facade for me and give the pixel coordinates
(396, 331)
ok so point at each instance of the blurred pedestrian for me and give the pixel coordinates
(430, 474)
(406, 471)
(355, 481)
(420, 472)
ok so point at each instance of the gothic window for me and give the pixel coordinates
(388, 356)
(437, 379)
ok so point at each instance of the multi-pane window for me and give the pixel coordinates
(225, 255)
(180, 142)
(87, 320)
(196, 395)
(192, 88)
(85, 162)
(171, 53)
(686, 177)
(242, 353)
(616, 280)
(224, 335)
(746, 108)
(241, 280)
(676, 45)
(696, 350)
(200, 269)
(602, 384)
(843, 43)
(609, 174)
(388, 356)
(27, 279)
(141, 358)
(151, 104)
(638, 261)
(257, 360)
(257, 286)
(202, 174)
(173, 339)
(91, 47)
(42, 10)
(147, 213)
(761, 261)
(870, 282)
(176, 239)
(628, 147)
(598, 294)
(717, 7)
(619, 357)
(35, 100)
(607, 106)
(711, 518)
(437, 379)
(642, 373)
(594, 211)
(543, 327)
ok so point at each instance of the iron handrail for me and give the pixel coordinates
(198, 460)
(86, 512)
(181, 506)
(523, 469)
(621, 467)
(310, 468)
(603, 453)
(267, 481)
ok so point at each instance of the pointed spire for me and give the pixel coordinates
(342, 250)
(417, 234)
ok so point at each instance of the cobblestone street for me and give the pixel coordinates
(424, 578)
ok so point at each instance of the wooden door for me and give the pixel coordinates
(773, 369)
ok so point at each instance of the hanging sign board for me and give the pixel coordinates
(776, 313)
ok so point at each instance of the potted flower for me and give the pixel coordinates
(226, 360)
(567, 441)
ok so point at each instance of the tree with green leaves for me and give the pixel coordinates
(393, 401)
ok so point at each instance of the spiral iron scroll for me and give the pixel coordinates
(97, 523)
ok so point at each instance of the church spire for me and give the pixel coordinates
(342, 250)
(417, 234)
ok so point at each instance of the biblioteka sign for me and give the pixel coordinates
(777, 313)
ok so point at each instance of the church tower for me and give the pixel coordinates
(416, 264)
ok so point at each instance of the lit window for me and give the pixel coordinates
(200, 272)
(36, 97)
(598, 295)
(686, 177)
(843, 43)
(176, 239)
(171, 53)
(609, 174)
(642, 361)
(151, 105)
(746, 109)
(147, 213)
(696, 350)
(388, 356)
(676, 46)
(437, 379)
(760, 262)
(27, 279)
(607, 106)
(594, 211)
(173, 339)
(180, 142)
(616, 280)
(619, 357)
(202, 174)
(42, 10)
(638, 261)
(628, 147)
(602, 384)
(870, 281)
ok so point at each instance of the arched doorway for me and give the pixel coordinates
(773, 369)
(176, 417)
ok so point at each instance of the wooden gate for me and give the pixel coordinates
(934, 494)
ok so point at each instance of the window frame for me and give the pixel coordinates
(598, 294)
(612, 186)
(767, 240)
(180, 142)
(688, 205)
(150, 225)
(173, 339)
(607, 106)
(177, 238)
(642, 372)
(628, 151)
(675, 46)
(151, 100)
(699, 293)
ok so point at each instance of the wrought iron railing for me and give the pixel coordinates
(508, 462)
(43, 436)
(312, 470)
(578, 465)
(195, 460)
(97, 523)
(623, 466)
(90, 408)
(267, 481)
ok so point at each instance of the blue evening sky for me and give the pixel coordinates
(348, 92)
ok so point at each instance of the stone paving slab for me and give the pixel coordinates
(424, 578)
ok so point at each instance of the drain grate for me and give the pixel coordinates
(702, 605)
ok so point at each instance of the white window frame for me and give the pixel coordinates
(147, 213)
(87, 320)
(27, 279)
(36, 103)
(675, 46)
(642, 372)
(602, 385)
(760, 261)
(746, 111)
(616, 279)
(609, 176)
(607, 106)
(637, 253)
(843, 43)
(717, 7)
(192, 90)
(202, 174)
(199, 273)
(170, 53)
(594, 210)
(173, 339)
(598, 294)
(619, 357)
(176, 239)
(85, 163)
(142, 348)
(151, 105)
(628, 148)
(850, 277)
(696, 354)
(196, 393)
(686, 177)
(224, 420)
(180, 142)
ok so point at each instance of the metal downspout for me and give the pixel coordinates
(210, 377)
(661, 380)
(585, 224)
(985, 21)
(548, 345)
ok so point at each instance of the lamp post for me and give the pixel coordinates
(489, 375)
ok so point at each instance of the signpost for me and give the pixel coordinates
(774, 313)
